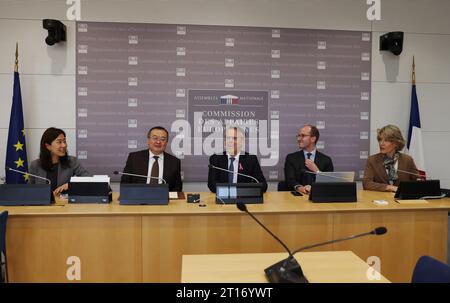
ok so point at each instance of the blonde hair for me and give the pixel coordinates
(392, 134)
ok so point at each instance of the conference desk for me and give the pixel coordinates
(118, 243)
(318, 267)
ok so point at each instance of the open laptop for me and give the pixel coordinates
(336, 176)
(429, 189)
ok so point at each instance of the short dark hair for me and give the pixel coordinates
(314, 132)
(157, 128)
(45, 156)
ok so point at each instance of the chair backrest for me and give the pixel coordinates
(3, 265)
(430, 270)
(3, 218)
(282, 186)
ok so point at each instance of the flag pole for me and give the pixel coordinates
(16, 65)
(413, 72)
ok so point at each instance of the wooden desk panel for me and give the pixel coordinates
(145, 243)
(410, 235)
(109, 248)
(167, 238)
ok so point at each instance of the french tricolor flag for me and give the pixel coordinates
(415, 144)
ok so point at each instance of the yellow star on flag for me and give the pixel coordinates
(19, 163)
(26, 177)
(18, 146)
(23, 132)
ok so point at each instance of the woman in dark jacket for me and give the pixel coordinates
(54, 163)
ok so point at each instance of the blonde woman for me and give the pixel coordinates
(384, 170)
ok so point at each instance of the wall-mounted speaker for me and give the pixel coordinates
(56, 31)
(393, 42)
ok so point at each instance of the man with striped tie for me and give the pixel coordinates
(154, 162)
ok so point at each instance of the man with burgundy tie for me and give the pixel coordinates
(236, 161)
(308, 159)
(154, 162)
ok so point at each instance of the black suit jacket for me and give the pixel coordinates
(248, 165)
(137, 163)
(295, 164)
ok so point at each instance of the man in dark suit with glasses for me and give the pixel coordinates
(307, 159)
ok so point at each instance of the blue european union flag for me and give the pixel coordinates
(16, 153)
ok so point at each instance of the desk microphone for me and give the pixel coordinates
(25, 173)
(422, 177)
(230, 171)
(386, 166)
(322, 174)
(285, 271)
(377, 231)
(140, 176)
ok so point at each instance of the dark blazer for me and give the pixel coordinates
(137, 163)
(375, 175)
(294, 168)
(248, 165)
(64, 173)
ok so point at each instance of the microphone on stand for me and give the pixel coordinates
(285, 271)
(377, 231)
(26, 173)
(140, 176)
(422, 177)
(322, 174)
(230, 171)
(289, 270)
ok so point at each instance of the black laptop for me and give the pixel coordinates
(429, 189)
(328, 192)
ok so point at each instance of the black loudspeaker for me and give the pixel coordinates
(56, 31)
(392, 42)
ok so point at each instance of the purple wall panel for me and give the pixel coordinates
(131, 77)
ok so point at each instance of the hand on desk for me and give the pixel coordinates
(304, 189)
(391, 188)
(60, 189)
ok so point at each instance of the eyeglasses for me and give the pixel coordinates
(154, 139)
(302, 136)
(231, 138)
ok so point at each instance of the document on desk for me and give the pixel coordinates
(173, 195)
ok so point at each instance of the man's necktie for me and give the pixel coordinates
(231, 168)
(155, 171)
(309, 177)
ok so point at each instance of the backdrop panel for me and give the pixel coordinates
(194, 79)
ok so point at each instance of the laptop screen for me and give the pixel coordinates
(335, 176)
(418, 189)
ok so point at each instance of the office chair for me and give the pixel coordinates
(282, 186)
(430, 270)
(3, 260)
